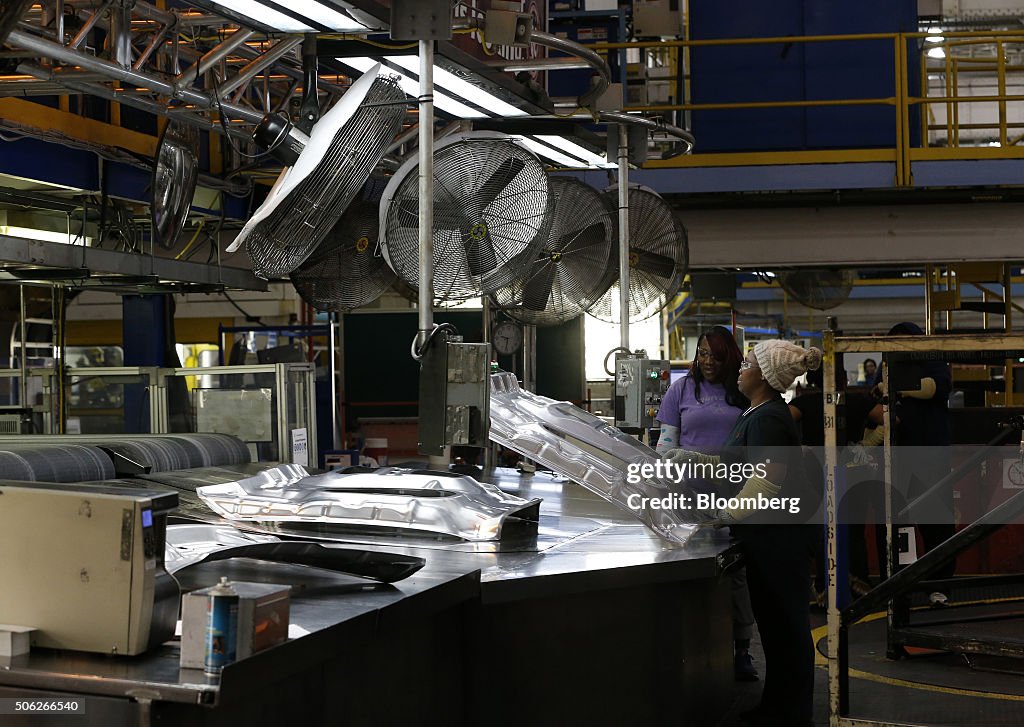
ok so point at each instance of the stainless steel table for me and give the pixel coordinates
(589, 618)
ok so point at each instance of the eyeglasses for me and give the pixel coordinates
(744, 365)
(703, 353)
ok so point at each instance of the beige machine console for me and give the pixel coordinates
(84, 566)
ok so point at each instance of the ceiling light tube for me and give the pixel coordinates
(553, 154)
(266, 16)
(462, 88)
(577, 150)
(327, 16)
(412, 88)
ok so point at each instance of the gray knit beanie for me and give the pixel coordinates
(781, 362)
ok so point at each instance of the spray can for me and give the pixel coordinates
(221, 627)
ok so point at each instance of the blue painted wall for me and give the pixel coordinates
(793, 72)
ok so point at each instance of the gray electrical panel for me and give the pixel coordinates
(455, 394)
(640, 385)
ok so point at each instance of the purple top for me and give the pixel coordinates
(703, 425)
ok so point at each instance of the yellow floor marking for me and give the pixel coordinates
(820, 660)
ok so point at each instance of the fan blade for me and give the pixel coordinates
(592, 235)
(479, 251)
(651, 262)
(537, 289)
(497, 182)
(446, 217)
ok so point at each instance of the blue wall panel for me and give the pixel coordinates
(53, 163)
(796, 72)
(743, 73)
(855, 69)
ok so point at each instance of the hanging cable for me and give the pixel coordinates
(419, 353)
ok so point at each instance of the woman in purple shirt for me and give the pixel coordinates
(698, 414)
(699, 410)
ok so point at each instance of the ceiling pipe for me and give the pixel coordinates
(212, 57)
(686, 140)
(592, 60)
(257, 65)
(48, 49)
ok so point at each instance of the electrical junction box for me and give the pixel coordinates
(455, 394)
(657, 18)
(640, 385)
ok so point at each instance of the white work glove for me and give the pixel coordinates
(751, 488)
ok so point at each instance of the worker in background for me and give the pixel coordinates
(870, 369)
(776, 552)
(697, 414)
(920, 412)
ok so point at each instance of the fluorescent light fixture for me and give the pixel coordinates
(412, 88)
(29, 233)
(578, 151)
(936, 52)
(450, 91)
(266, 16)
(315, 12)
(325, 15)
(460, 87)
(548, 153)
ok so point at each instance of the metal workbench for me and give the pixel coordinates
(591, 619)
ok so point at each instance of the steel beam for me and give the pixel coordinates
(257, 65)
(48, 49)
(11, 11)
(20, 251)
(211, 58)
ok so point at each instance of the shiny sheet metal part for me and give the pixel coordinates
(588, 451)
(392, 497)
(190, 544)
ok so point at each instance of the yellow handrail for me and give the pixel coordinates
(952, 45)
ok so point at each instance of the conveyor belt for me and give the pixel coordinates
(63, 462)
(79, 458)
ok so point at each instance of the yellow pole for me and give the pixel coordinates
(926, 108)
(908, 177)
(1001, 76)
(949, 104)
(955, 88)
(898, 87)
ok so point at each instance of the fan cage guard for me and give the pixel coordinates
(491, 202)
(175, 173)
(817, 288)
(568, 274)
(280, 243)
(346, 271)
(659, 259)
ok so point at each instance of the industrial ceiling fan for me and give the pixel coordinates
(658, 257)
(568, 273)
(491, 198)
(346, 270)
(326, 175)
(174, 181)
(820, 289)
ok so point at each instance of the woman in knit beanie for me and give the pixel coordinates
(777, 554)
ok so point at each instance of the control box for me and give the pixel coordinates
(640, 385)
(455, 394)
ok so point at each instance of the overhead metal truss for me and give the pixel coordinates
(202, 69)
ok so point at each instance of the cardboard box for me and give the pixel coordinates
(263, 610)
